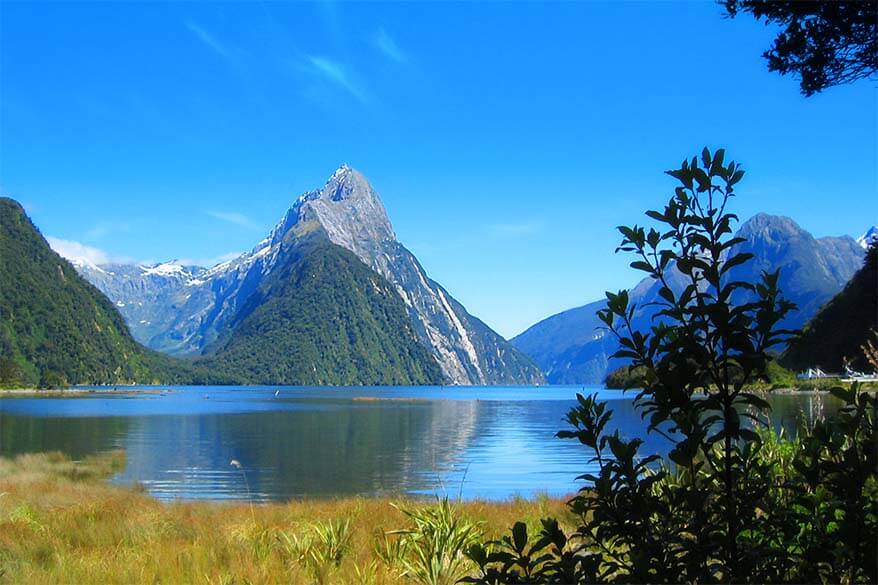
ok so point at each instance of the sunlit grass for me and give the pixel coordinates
(59, 522)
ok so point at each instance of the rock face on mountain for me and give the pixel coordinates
(149, 297)
(188, 310)
(573, 348)
(812, 270)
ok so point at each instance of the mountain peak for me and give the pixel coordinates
(867, 238)
(343, 169)
(346, 183)
(348, 208)
(767, 223)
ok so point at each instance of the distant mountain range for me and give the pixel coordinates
(330, 296)
(187, 310)
(572, 347)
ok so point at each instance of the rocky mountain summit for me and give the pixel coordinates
(185, 310)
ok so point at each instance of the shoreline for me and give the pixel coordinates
(61, 522)
(71, 392)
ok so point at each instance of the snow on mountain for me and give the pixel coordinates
(870, 235)
(169, 269)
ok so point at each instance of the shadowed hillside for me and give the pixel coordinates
(841, 326)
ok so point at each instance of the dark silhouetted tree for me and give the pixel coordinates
(823, 43)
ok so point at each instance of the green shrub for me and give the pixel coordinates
(779, 377)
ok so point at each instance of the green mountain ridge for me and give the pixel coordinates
(841, 326)
(56, 329)
(324, 318)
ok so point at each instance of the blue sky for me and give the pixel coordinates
(506, 139)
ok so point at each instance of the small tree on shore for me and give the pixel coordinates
(702, 355)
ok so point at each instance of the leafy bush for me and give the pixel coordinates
(515, 559)
(734, 503)
(779, 377)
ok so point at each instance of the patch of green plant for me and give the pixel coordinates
(320, 549)
(433, 550)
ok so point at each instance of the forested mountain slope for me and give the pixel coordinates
(842, 326)
(57, 329)
(323, 318)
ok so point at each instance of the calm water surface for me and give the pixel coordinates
(476, 442)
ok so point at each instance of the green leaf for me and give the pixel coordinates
(519, 536)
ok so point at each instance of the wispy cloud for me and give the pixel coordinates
(337, 74)
(83, 254)
(80, 253)
(385, 43)
(104, 228)
(232, 217)
(515, 229)
(210, 41)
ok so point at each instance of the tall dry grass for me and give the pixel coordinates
(59, 522)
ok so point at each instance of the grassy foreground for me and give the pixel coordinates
(59, 522)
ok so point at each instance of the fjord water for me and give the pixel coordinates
(490, 443)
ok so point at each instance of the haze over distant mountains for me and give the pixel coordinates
(187, 310)
(572, 347)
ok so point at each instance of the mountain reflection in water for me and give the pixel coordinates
(489, 443)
